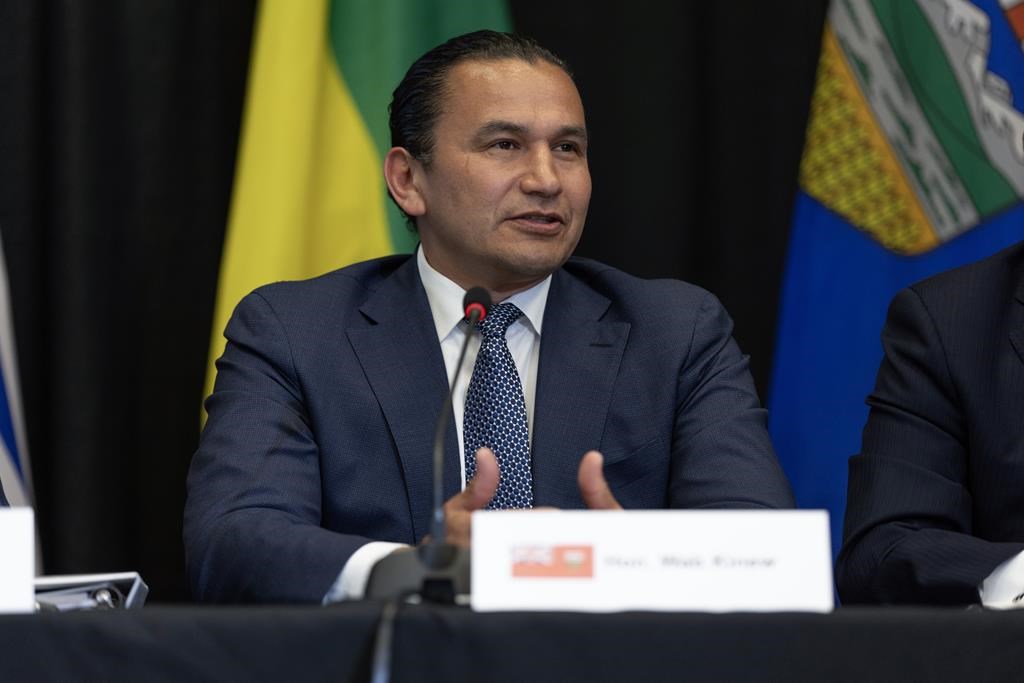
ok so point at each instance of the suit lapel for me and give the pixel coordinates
(580, 354)
(401, 357)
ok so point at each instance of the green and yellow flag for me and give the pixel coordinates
(309, 194)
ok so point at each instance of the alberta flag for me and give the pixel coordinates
(14, 471)
(913, 164)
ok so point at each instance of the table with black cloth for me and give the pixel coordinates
(435, 643)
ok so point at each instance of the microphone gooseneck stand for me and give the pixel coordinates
(435, 571)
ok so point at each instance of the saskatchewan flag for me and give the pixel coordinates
(309, 195)
(913, 164)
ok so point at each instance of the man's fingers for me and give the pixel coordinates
(484, 484)
(593, 487)
(478, 493)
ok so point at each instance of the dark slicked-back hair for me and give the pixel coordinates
(417, 101)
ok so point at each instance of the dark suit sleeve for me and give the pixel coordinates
(722, 454)
(252, 516)
(3, 498)
(908, 531)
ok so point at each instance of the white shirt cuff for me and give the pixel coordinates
(1004, 587)
(351, 582)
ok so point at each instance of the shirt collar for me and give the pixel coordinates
(445, 299)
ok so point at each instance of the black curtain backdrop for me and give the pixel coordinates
(118, 128)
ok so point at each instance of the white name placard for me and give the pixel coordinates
(664, 560)
(17, 560)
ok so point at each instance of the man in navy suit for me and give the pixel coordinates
(935, 511)
(316, 458)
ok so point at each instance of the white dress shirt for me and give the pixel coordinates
(1004, 587)
(523, 336)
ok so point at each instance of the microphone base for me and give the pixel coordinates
(437, 572)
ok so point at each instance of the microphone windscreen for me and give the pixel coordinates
(479, 299)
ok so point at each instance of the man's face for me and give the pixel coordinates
(506, 193)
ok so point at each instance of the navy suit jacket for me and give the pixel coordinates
(322, 417)
(936, 496)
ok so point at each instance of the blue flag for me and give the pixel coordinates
(913, 164)
(15, 476)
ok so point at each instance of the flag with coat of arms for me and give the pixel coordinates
(913, 164)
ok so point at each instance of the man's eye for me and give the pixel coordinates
(568, 147)
(504, 144)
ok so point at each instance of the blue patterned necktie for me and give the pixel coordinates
(495, 413)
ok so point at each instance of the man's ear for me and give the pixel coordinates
(401, 173)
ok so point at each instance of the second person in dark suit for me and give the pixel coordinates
(935, 510)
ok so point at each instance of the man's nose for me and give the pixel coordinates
(541, 174)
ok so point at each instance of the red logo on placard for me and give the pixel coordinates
(553, 562)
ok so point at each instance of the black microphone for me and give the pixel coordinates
(475, 304)
(437, 570)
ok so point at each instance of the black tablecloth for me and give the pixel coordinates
(435, 643)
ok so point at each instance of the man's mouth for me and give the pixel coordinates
(540, 218)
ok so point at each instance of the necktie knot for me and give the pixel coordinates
(498, 320)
